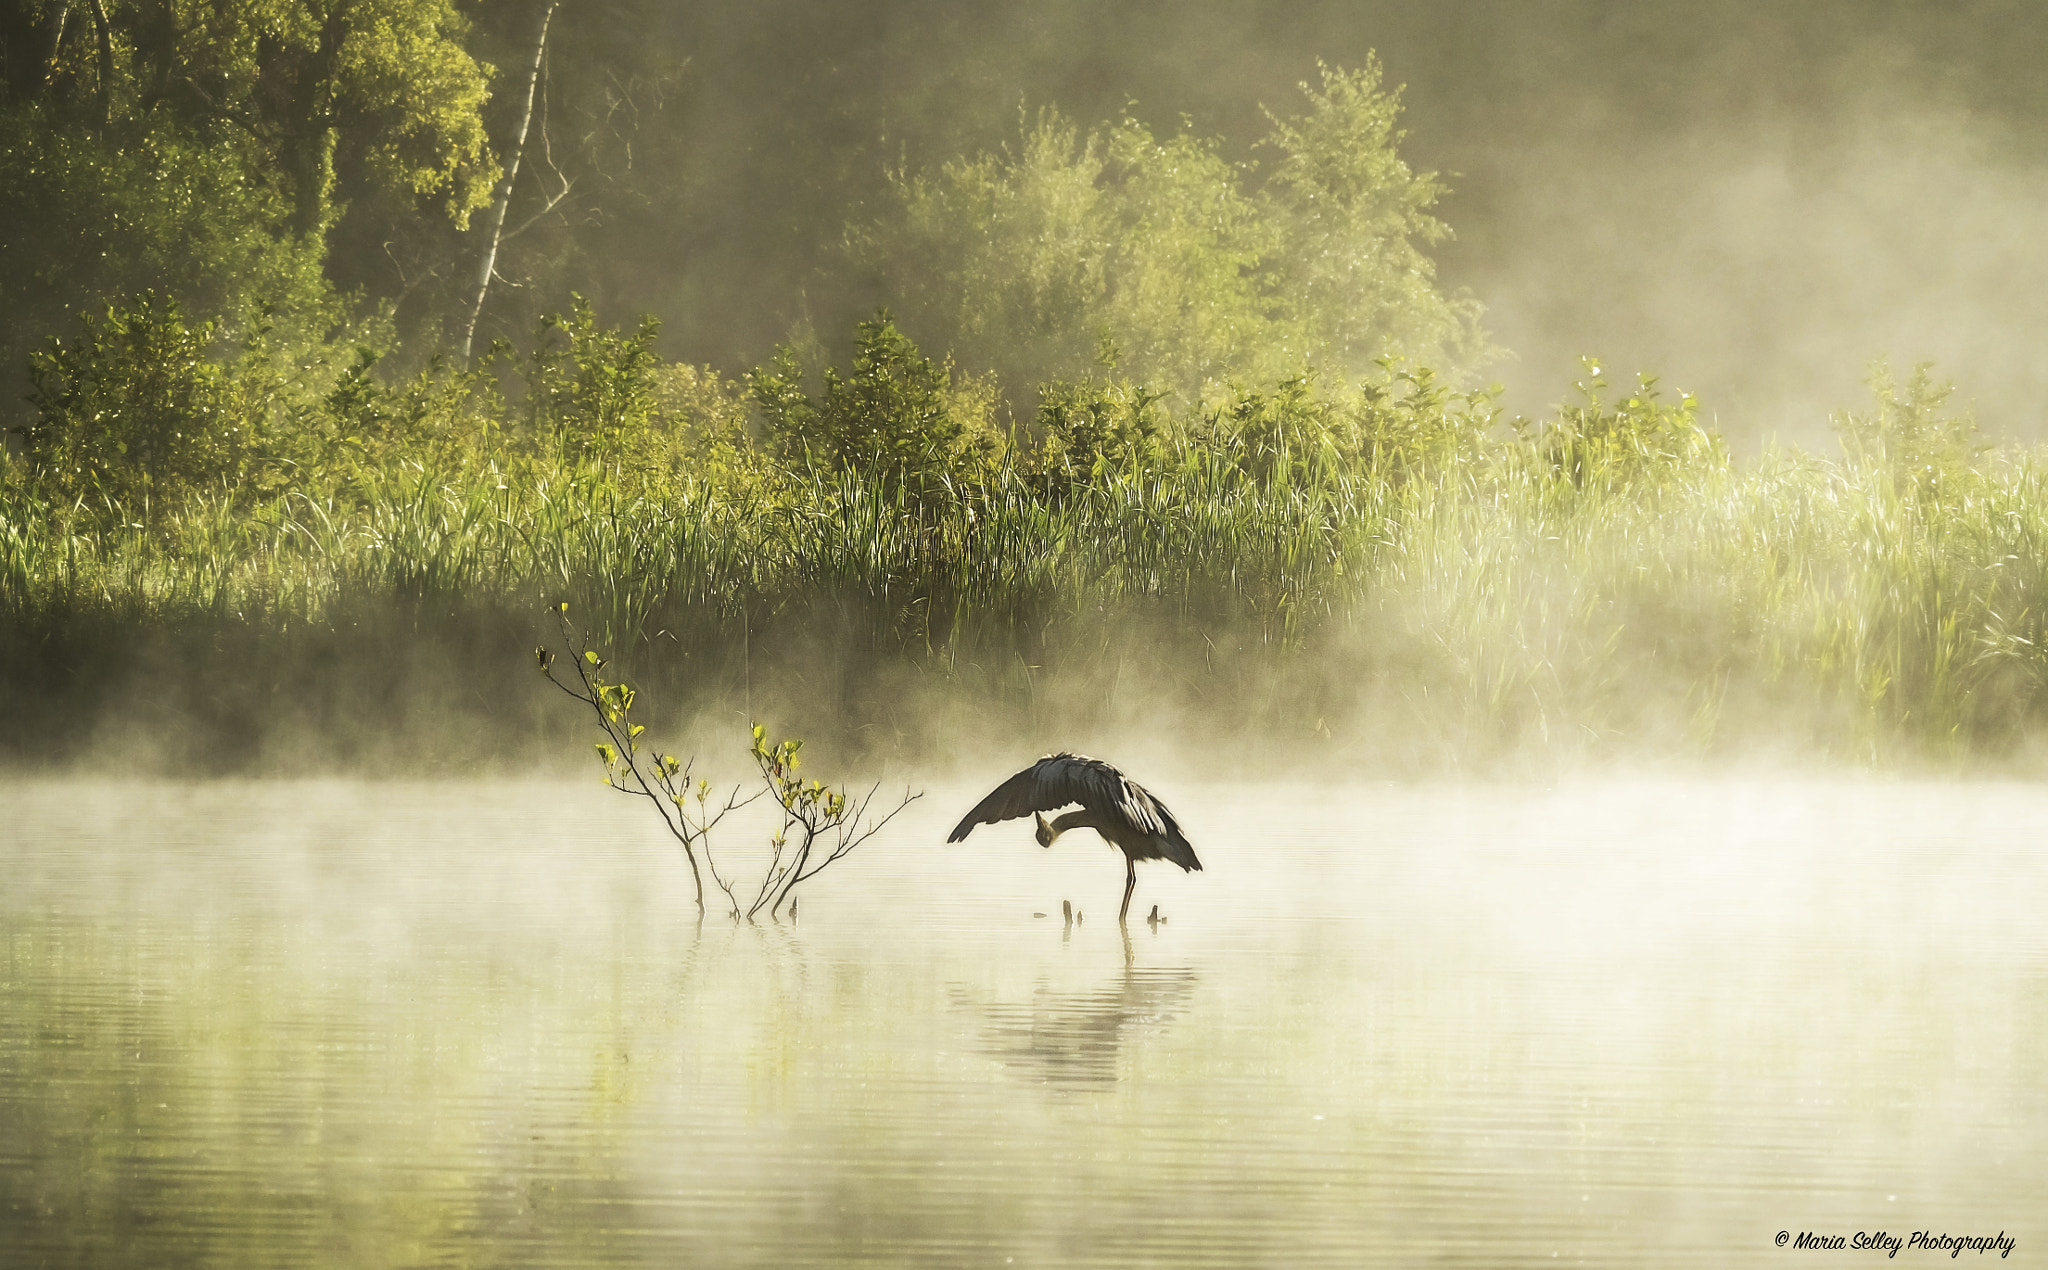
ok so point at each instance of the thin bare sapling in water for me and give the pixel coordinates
(820, 825)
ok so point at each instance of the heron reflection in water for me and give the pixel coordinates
(1122, 811)
(1079, 1035)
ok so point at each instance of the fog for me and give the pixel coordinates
(1652, 1023)
(1573, 886)
(1749, 200)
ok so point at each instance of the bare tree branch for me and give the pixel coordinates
(820, 825)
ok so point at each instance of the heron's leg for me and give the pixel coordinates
(1130, 884)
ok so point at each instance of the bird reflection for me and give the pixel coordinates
(1075, 1037)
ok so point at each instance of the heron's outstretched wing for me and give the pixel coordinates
(1061, 779)
(1020, 795)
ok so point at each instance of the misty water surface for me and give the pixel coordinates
(338, 1024)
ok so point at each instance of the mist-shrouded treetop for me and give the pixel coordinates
(1070, 250)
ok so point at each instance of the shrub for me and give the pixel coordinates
(137, 409)
(591, 390)
(1071, 250)
(1638, 439)
(1911, 435)
(1089, 429)
(896, 413)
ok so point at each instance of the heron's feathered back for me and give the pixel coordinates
(1126, 812)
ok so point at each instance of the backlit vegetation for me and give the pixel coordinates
(1158, 435)
(1386, 557)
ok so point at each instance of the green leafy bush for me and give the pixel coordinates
(137, 410)
(94, 218)
(1636, 440)
(1406, 421)
(590, 390)
(1088, 430)
(897, 414)
(1912, 436)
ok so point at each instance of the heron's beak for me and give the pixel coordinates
(1045, 833)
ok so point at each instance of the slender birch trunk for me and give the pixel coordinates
(58, 17)
(504, 198)
(104, 30)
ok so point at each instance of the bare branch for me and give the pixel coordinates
(820, 824)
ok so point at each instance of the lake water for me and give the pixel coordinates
(477, 1024)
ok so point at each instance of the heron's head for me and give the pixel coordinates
(1046, 833)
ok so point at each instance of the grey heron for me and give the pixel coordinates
(1122, 811)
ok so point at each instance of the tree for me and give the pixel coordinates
(385, 84)
(502, 200)
(162, 206)
(574, 118)
(1355, 223)
(202, 149)
(1069, 250)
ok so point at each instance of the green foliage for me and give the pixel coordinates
(1353, 273)
(1911, 437)
(1401, 423)
(1040, 259)
(1091, 429)
(197, 148)
(1071, 251)
(1407, 422)
(1637, 441)
(383, 84)
(704, 430)
(1587, 578)
(93, 219)
(820, 825)
(365, 425)
(591, 390)
(1284, 435)
(147, 409)
(137, 410)
(896, 414)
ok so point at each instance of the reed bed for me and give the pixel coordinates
(1365, 577)
(1815, 584)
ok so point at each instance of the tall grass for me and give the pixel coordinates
(1388, 571)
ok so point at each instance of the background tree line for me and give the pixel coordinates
(200, 181)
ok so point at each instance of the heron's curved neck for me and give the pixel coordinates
(1085, 818)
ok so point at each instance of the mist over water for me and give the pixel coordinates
(1582, 1012)
(308, 1024)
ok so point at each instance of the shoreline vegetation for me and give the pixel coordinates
(1200, 463)
(1383, 571)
